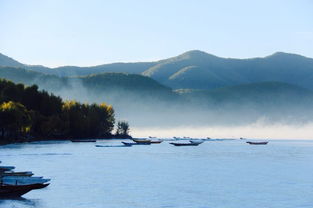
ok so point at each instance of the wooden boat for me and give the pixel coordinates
(134, 143)
(184, 144)
(83, 140)
(24, 181)
(196, 141)
(257, 143)
(98, 145)
(6, 168)
(13, 191)
(26, 173)
(156, 142)
(142, 140)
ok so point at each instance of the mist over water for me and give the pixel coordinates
(250, 131)
(150, 115)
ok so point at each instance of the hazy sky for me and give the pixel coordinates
(90, 32)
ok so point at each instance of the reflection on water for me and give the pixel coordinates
(215, 174)
(19, 202)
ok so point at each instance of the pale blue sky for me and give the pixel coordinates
(91, 32)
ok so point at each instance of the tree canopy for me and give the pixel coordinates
(26, 112)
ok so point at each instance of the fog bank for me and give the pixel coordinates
(256, 130)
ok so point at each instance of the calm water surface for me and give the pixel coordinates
(228, 174)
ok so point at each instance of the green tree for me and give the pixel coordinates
(122, 128)
(15, 119)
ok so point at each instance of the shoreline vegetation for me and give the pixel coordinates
(27, 114)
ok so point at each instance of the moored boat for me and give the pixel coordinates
(142, 140)
(26, 173)
(23, 180)
(257, 143)
(156, 141)
(196, 141)
(83, 140)
(184, 144)
(134, 143)
(15, 184)
(8, 191)
(6, 168)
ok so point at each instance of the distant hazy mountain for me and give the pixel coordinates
(144, 101)
(7, 61)
(92, 85)
(261, 93)
(199, 70)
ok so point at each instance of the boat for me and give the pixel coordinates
(6, 168)
(15, 184)
(83, 140)
(134, 143)
(151, 137)
(142, 140)
(26, 173)
(257, 143)
(156, 142)
(23, 180)
(98, 145)
(196, 141)
(184, 144)
(14, 191)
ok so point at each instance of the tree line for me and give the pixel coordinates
(27, 113)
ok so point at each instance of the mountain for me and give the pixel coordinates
(7, 61)
(133, 68)
(146, 102)
(261, 93)
(92, 85)
(199, 70)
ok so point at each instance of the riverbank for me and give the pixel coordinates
(39, 139)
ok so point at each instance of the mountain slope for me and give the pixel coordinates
(7, 61)
(92, 84)
(200, 70)
(220, 72)
(145, 102)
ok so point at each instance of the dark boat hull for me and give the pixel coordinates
(257, 143)
(14, 191)
(156, 142)
(184, 144)
(91, 140)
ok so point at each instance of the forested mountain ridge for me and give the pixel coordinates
(143, 101)
(200, 70)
